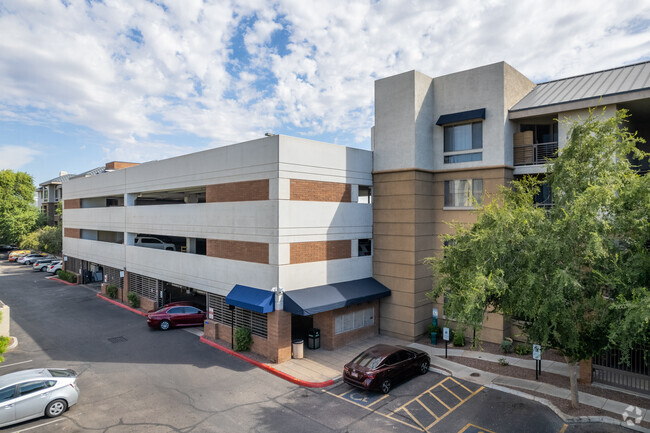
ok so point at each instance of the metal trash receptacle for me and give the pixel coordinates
(297, 348)
(313, 338)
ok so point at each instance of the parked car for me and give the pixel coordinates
(31, 258)
(34, 393)
(55, 266)
(152, 242)
(42, 264)
(175, 314)
(383, 366)
(7, 248)
(15, 255)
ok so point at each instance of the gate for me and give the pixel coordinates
(608, 369)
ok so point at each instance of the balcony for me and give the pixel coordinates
(534, 154)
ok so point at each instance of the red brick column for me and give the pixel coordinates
(279, 336)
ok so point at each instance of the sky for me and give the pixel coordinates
(85, 82)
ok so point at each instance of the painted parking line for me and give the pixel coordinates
(429, 408)
(471, 428)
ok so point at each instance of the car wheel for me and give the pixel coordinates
(424, 367)
(55, 408)
(164, 325)
(385, 386)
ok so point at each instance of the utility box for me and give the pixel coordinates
(313, 338)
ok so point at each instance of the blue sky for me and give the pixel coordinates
(86, 82)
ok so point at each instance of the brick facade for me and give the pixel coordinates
(326, 323)
(238, 191)
(309, 190)
(72, 233)
(257, 252)
(119, 165)
(74, 203)
(305, 252)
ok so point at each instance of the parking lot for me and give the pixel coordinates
(135, 379)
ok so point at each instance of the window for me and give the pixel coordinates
(30, 387)
(175, 310)
(46, 194)
(7, 393)
(463, 193)
(461, 141)
(354, 320)
(365, 195)
(365, 247)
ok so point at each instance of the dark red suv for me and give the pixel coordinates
(383, 366)
(175, 314)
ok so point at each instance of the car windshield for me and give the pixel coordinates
(367, 360)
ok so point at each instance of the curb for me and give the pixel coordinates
(119, 304)
(267, 368)
(13, 344)
(61, 281)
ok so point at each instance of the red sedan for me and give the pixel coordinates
(382, 366)
(175, 314)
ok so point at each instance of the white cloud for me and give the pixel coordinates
(15, 157)
(131, 69)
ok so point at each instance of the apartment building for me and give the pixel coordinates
(283, 234)
(279, 228)
(442, 144)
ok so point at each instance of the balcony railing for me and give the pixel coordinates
(534, 154)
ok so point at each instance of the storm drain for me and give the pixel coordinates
(117, 339)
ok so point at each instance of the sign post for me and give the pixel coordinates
(537, 356)
(445, 336)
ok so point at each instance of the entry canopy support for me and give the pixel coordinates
(313, 300)
(252, 299)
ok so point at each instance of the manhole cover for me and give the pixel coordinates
(117, 339)
(475, 374)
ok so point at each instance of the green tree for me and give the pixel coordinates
(578, 272)
(18, 215)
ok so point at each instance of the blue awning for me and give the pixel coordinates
(313, 300)
(249, 298)
(463, 116)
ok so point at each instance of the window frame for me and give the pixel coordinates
(470, 189)
(475, 142)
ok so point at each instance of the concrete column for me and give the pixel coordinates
(190, 243)
(129, 199)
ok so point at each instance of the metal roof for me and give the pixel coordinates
(59, 179)
(92, 172)
(625, 79)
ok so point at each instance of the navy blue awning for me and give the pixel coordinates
(249, 298)
(313, 300)
(463, 116)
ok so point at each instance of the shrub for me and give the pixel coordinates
(111, 291)
(506, 345)
(243, 340)
(524, 349)
(434, 328)
(459, 339)
(133, 298)
(503, 362)
(67, 276)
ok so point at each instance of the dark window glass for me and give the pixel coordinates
(176, 310)
(191, 310)
(30, 387)
(7, 393)
(463, 137)
(465, 157)
(366, 360)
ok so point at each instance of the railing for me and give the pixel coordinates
(534, 154)
(608, 369)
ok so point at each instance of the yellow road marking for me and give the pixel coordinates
(415, 419)
(564, 428)
(378, 400)
(483, 430)
(460, 403)
(427, 409)
(441, 402)
(452, 393)
(460, 384)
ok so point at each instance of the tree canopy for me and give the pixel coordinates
(579, 271)
(18, 215)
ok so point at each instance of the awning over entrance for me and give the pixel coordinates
(250, 298)
(463, 116)
(313, 300)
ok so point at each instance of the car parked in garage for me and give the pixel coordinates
(175, 314)
(29, 394)
(382, 366)
(153, 242)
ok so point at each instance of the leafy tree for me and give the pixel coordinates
(579, 272)
(18, 215)
(50, 239)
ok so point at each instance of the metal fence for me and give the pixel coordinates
(634, 375)
(256, 322)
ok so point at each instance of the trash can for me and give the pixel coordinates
(313, 338)
(298, 348)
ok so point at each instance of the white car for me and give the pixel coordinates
(29, 394)
(42, 264)
(152, 242)
(55, 266)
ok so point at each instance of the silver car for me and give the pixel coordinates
(29, 394)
